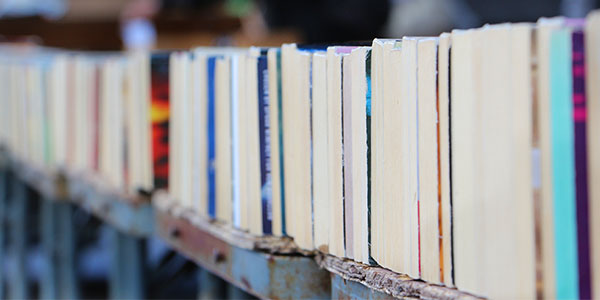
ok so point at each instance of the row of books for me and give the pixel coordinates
(467, 159)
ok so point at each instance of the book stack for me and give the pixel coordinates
(468, 159)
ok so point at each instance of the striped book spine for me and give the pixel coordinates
(265, 145)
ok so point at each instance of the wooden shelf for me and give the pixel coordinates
(131, 215)
(265, 266)
(352, 279)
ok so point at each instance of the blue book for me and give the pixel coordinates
(211, 61)
(265, 145)
(563, 164)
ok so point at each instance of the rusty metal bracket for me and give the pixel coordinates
(258, 272)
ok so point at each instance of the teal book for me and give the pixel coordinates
(563, 163)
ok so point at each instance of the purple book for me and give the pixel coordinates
(581, 173)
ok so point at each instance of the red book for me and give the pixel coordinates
(159, 116)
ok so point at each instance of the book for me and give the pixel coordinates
(427, 158)
(180, 173)
(355, 90)
(236, 60)
(320, 148)
(199, 106)
(243, 159)
(563, 164)
(408, 189)
(252, 139)
(275, 123)
(380, 66)
(592, 63)
(211, 136)
(82, 70)
(581, 162)
(159, 118)
(464, 132)
(185, 130)
(444, 152)
(222, 131)
(34, 79)
(112, 154)
(137, 126)
(543, 141)
(523, 207)
(334, 129)
(57, 78)
(266, 180)
(174, 124)
(297, 143)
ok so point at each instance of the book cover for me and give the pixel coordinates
(71, 112)
(235, 139)
(444, 159)
(368, 119)
(159, 116)
(223, 151)
(279, 133)
(211, 62)
(265, 145)
(592, 63)
(338, 233)
(96, 119)
(543, 143)
(563, 162)
(320, 169)
(277, 166)
(581, 172)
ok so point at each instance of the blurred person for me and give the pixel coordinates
(318, 21)
(431, 17)
(326, 21)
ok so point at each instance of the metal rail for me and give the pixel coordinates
(264, 266)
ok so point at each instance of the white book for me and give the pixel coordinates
(427, 125)
(320, 169)
(236, 60)
(444, 153)
(592, 42)
(199, 156)
(296, 139)
(335, 155)
(355, 91)
(223, 176)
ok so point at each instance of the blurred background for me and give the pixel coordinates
(101, 25)
(172, 24)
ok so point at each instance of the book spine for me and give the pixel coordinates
(159, 117)
(565, 224)
(347, 157)
(280, 134)
(581, 172)
(368, 127)
(211, 136)
(70, 117)
(96, 120)
(235, 98)
(265, 145)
